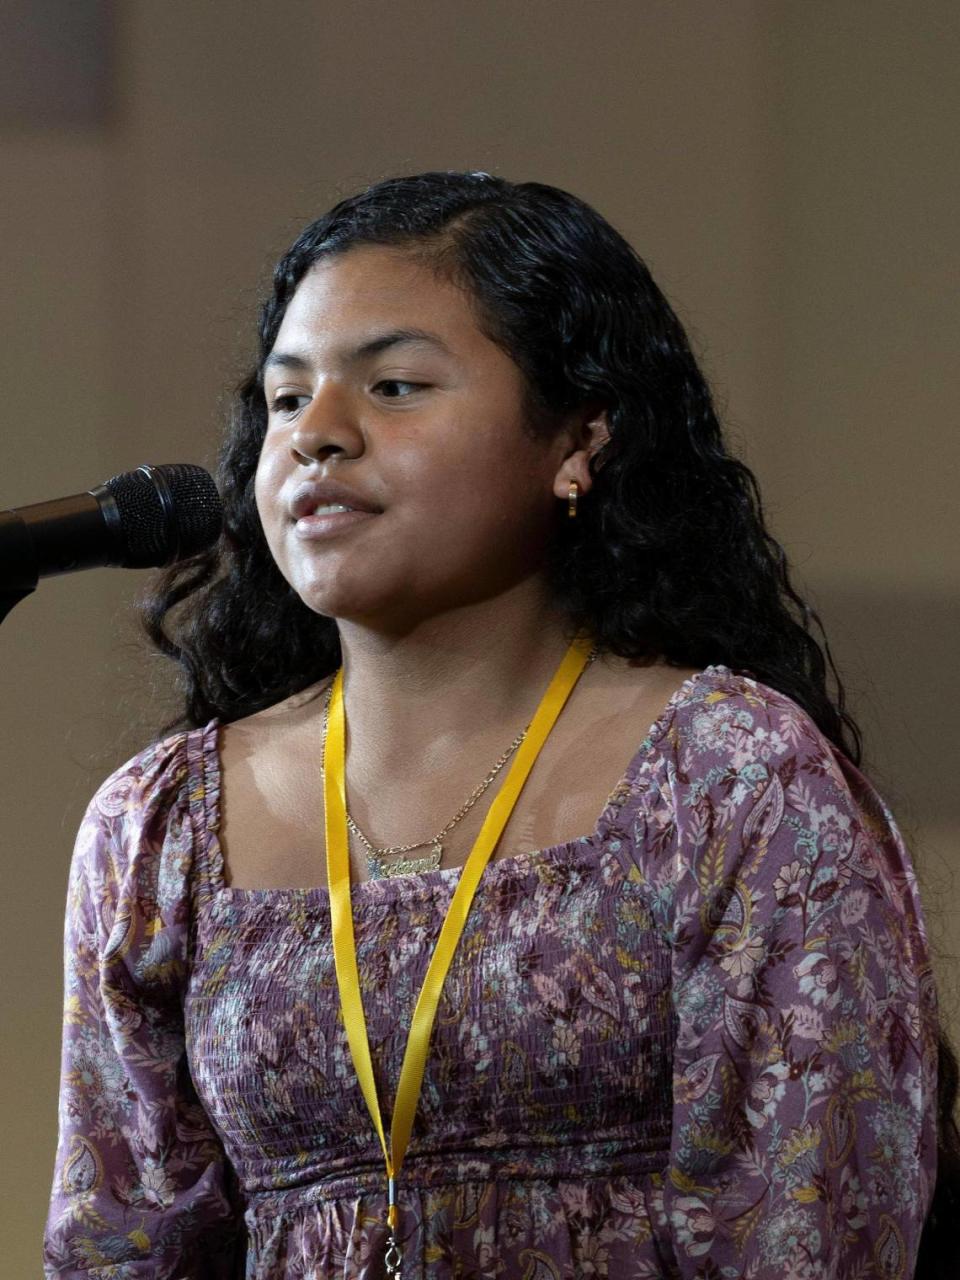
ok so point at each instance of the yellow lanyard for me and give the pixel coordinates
(341, 916)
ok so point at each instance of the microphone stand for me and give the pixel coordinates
(19, 576)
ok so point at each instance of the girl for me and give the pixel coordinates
(508, 901)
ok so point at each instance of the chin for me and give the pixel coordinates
(330, 602)
(324, 602)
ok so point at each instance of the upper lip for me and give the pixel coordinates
(310, 494)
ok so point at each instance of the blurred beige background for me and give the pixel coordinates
(789, 172)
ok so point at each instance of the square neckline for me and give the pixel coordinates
(425, 883)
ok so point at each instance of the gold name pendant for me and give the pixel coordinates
(377, 869)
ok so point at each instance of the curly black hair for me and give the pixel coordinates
(670, 557)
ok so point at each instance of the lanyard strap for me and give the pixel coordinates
(341, 915)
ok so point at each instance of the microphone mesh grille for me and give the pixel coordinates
(152, 536)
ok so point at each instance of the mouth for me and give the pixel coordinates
(325, 522)
(323, 497)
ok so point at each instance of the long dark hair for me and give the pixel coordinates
(670, 557)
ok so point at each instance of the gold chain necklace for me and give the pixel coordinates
(377, 868)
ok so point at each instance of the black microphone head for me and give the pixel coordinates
(165, 513)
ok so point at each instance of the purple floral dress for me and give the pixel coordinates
(698, 1042)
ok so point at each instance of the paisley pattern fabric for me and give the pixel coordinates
(699, 1042)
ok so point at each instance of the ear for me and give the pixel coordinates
(588, 434)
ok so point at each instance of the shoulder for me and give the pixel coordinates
(744, 800)
(147, 787)
(733, 763)
(747, 760)
(718, 745)
(144, 824)
(723, 712)
(725, 729)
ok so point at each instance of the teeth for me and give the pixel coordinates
(329, 508)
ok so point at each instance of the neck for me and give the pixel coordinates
(478, 670)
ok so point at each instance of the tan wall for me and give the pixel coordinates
(786, 170)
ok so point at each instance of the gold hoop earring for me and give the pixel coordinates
(572, 499)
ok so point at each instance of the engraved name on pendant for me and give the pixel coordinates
(380, 870)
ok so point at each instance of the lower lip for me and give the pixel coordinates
(311, 527)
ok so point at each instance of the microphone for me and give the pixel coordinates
(141, 519)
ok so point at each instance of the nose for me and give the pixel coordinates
(325, 426)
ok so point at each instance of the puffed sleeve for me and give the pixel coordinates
(141, 1184)
(805, 1058)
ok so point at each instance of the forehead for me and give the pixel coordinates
(351, 299)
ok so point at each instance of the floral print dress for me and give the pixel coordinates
(699, 1042)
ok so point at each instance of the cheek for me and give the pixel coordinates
(266, 490)
(266, 485)
(259, 495)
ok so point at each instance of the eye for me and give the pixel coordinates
(286, 403)
(397, 382)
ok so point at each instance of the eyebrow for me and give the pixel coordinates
(372, 347)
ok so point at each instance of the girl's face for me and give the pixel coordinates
(425, 427)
